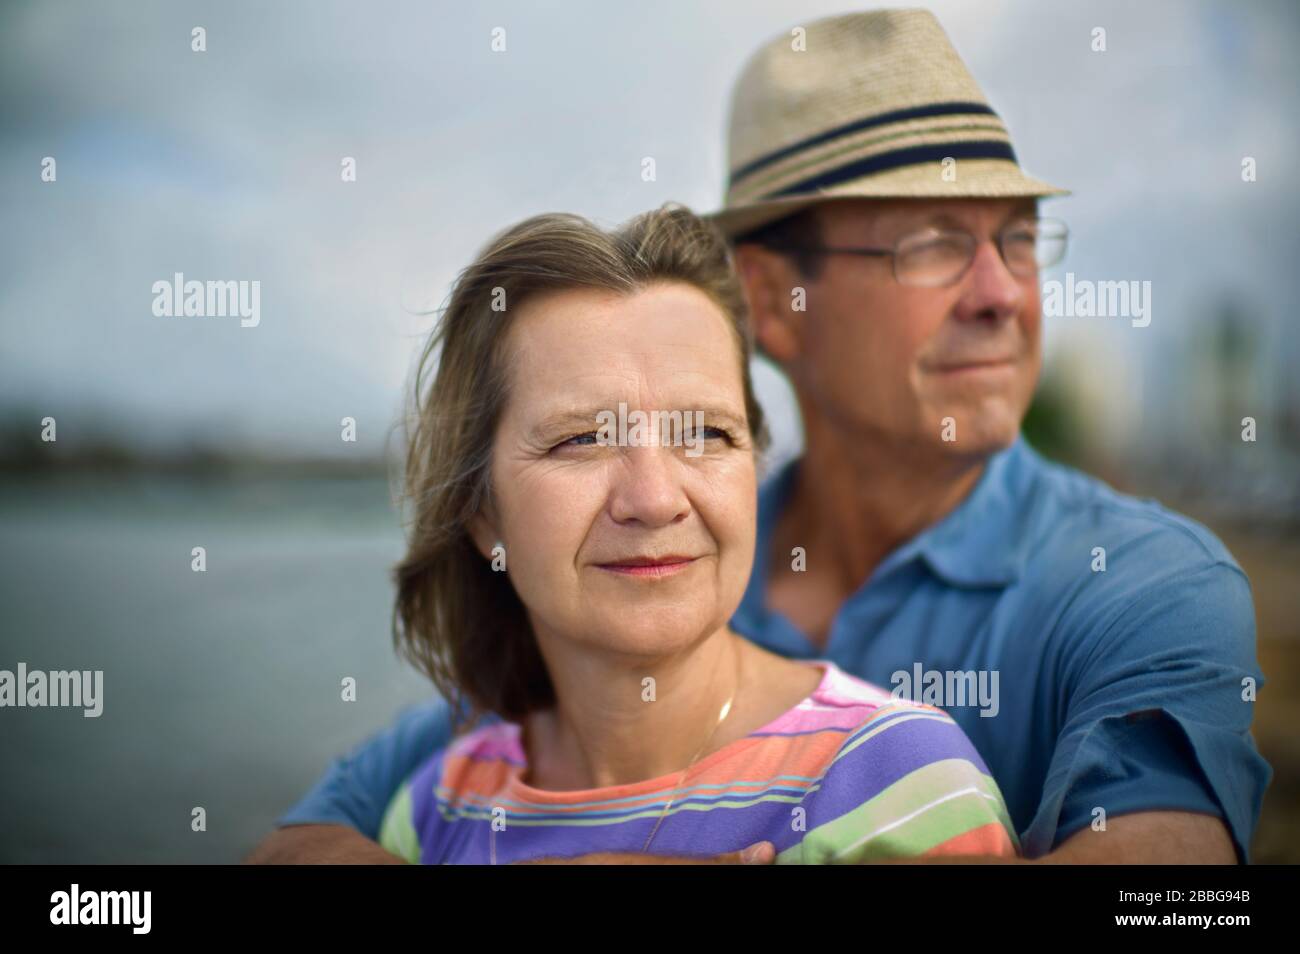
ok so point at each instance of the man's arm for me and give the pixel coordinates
(338, 820)
(1159, 675)
(320, 845)
(1143, 838)
(1155, 749)
(1149, 838)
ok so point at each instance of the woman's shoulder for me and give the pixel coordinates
(840, 688)
(479, 759)
(847, 701)
(495, 740)
(472, 765)
(880, 730)
(905, 781)
(847, 721)
(473, 758)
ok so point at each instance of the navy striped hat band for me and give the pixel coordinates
(972, 149)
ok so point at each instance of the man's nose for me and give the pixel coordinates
(648, 487)
(990, 291)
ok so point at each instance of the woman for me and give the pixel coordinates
(572, 571)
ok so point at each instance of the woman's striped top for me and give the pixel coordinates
(850, 774)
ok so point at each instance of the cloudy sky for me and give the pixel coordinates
(225, 165)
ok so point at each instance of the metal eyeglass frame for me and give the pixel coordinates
(969, 238)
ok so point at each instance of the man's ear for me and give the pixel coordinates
(771, 291)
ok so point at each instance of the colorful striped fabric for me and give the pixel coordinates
(848, 775)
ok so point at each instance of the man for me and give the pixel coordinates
(1098, 650)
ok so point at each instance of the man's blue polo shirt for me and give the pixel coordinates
(1123, 689)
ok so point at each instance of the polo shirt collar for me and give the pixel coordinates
(981, 543)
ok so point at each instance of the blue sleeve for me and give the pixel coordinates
(357, 787)
(1157, 716)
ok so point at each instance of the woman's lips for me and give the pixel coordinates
(648, 567)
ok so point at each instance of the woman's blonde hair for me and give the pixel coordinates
(456, 619)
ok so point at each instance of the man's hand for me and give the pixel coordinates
(341, 845)
(760, 853)
(320, 845)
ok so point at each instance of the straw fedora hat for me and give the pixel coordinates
(875, 105)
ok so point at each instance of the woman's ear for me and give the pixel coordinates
(483, 531)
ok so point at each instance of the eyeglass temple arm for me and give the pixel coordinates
(786, 247)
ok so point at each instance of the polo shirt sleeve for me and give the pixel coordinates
(357, 787)
(1158, 703)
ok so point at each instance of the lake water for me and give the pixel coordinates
(221, 689)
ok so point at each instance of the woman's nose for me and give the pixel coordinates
(648, 487)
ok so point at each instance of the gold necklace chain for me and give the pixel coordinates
(722, 716)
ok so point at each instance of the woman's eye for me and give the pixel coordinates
(714, 433)
(591, 438)
(578, 440)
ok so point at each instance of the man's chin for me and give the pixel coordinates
(978, 432)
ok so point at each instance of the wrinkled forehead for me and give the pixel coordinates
(880, 217)
(664, 345)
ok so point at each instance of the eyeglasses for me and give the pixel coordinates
(932, 258)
